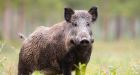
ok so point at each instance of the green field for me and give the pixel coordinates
(108, 58)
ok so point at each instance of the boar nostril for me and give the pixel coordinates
(72, 41)
(84, 42)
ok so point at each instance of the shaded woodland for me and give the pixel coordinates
(117, 18)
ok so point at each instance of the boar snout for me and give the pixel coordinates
(84, 42)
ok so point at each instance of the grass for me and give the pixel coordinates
(108, 58)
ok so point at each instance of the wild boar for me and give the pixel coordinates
(56, 49)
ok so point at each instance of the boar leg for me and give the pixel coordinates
(67, 64)
(23, 70)
(66, 70)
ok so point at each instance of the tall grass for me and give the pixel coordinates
(108, 58)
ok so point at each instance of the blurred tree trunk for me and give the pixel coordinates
(21, 22)
(6, 19)
(105, 19)
(118, 27)
(105, 27)
(132, 26)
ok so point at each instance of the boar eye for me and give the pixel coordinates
(74, 24)
(88, 24)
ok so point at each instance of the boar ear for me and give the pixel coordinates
(68, 13)
(93, 11)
